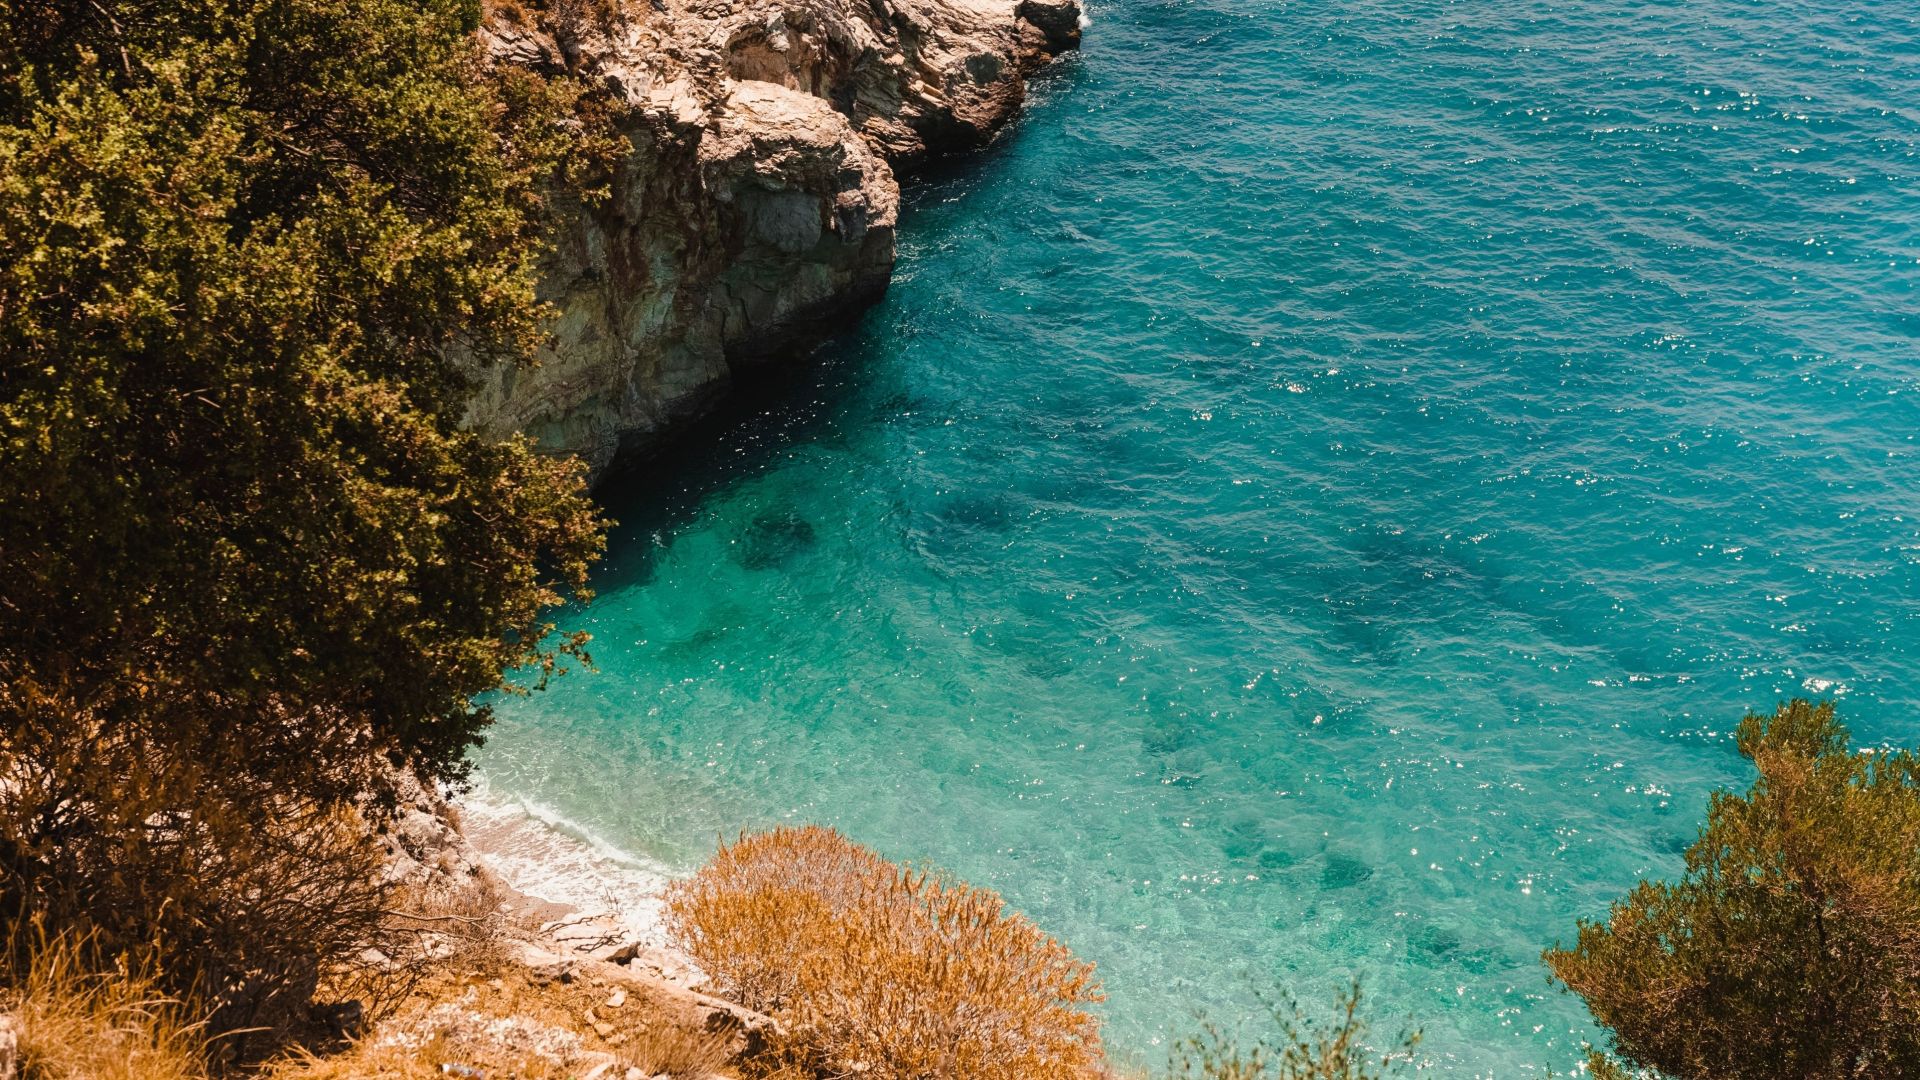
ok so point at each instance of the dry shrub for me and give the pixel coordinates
(238, 894)
(426, 930)
(77, 1024)
(462, 927)
(1305, 1049)
(676, 1052)
(884, 971)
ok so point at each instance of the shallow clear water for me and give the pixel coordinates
(1315, 501)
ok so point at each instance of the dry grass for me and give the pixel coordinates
(473, 1010)
(77, 1025)
(225, 888)
(884, 972)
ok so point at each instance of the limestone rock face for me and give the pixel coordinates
(914, 76)
(807, 224)
(758, 199)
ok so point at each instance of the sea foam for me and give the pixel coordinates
(546, 855)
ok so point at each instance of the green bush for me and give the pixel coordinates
(248, 554)
(1791, 944)
(238, 241)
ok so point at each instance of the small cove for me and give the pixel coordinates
(1315, 501)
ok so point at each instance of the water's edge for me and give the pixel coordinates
(542, 855)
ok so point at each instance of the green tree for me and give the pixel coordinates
(248, 250)
(1791, 944)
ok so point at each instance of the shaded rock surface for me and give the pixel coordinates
(425, 847)
(758, 199)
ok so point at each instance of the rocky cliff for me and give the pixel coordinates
(758, 199)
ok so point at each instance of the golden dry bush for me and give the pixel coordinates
(881, 971)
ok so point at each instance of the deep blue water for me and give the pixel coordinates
(1314, 503)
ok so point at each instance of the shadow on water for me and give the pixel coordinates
(776, 406)
(770, 408)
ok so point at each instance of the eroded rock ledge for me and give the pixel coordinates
(759, 198)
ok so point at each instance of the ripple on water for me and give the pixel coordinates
(1315, 501)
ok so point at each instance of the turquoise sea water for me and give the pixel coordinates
(1315, 501)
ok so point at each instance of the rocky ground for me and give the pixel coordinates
(577, 989)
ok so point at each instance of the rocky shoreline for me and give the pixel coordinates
(759, 198)
(436, 845)
(614, 951)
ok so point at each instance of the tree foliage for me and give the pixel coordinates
(1791, 945)
(238, 241)
(248, 250)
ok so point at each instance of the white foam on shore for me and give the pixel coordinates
(550, 857)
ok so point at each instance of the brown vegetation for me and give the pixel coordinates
(73, 1024)
(884, 971)
(235, 893)
(79, 1019)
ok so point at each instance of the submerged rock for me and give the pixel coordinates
(758, 201)
(774, 538)
(1343, 871)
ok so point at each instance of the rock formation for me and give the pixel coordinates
(758, 200)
